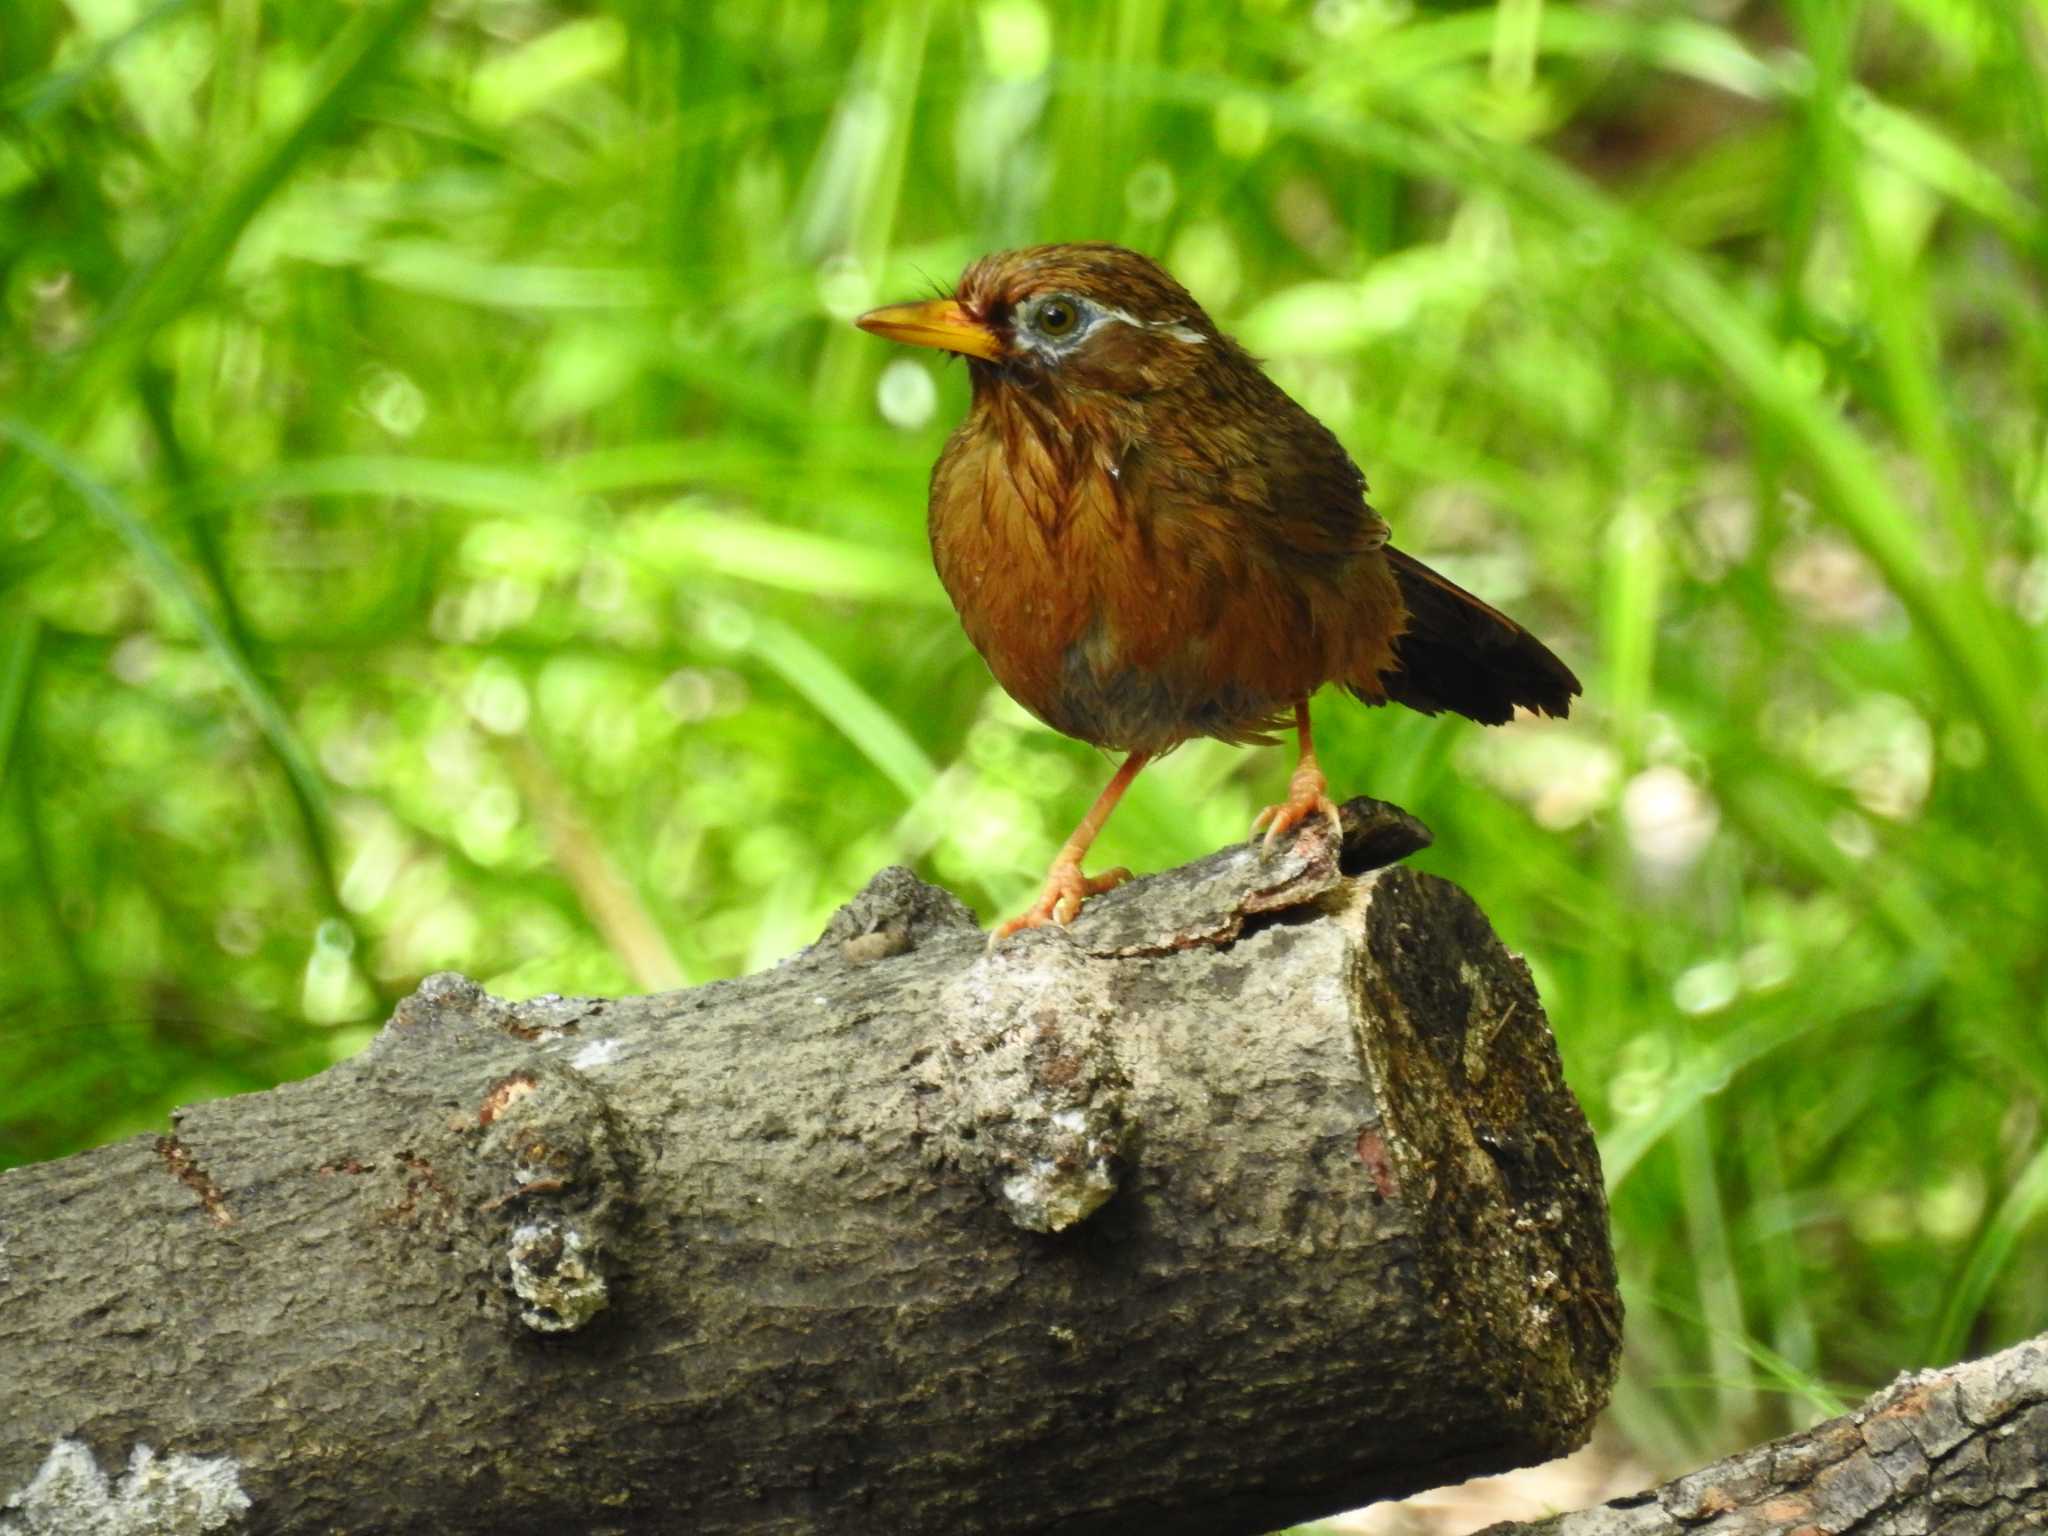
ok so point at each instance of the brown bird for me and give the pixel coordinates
(1148, 540)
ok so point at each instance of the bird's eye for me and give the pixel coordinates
(1056, 317)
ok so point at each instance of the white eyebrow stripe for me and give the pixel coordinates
(1173, 328)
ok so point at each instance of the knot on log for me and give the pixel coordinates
(893, 914)
(548, 1133)
(556, 1273)
(439, 998)
(1035, 1096)
(532, 1185)
(448, 1000)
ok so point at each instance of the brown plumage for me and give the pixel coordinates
(1148, 540)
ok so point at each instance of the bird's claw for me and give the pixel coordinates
(1060, 899)
(1307, 795)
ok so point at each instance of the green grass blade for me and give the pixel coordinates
(2023, 1206)
(1826, 1400)
(170, 581)
(177, 589)
(878, 735)
(34, 99)
(17, 662)
(714, 543)
(159, 291)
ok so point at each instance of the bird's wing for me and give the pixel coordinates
(1309, 504)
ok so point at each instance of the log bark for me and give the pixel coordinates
(1255, 1195)
(1962, 1452)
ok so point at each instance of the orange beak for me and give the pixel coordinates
(938, 323)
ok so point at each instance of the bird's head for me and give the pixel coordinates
(1081, 318)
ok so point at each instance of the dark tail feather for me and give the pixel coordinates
(1459, 654)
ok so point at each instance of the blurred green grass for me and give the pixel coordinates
(446, 521)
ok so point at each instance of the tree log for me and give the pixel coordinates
(1255, 1195)
(1962, 1452)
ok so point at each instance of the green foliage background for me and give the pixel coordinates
(446, 521)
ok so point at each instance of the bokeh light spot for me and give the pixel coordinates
(906, 395)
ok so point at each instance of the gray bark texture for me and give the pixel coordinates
(1256, 1194)
(1959, 1452)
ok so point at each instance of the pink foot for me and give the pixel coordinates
(1060, 900)
(1307, 795)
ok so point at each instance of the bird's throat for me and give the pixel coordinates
(1062, 460)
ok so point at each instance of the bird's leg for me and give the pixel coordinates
(1307, 792)
(1065, 886)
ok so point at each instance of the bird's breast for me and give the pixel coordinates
(1121, 609)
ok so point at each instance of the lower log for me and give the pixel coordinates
(1959, 1452)
(1256, 1194)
